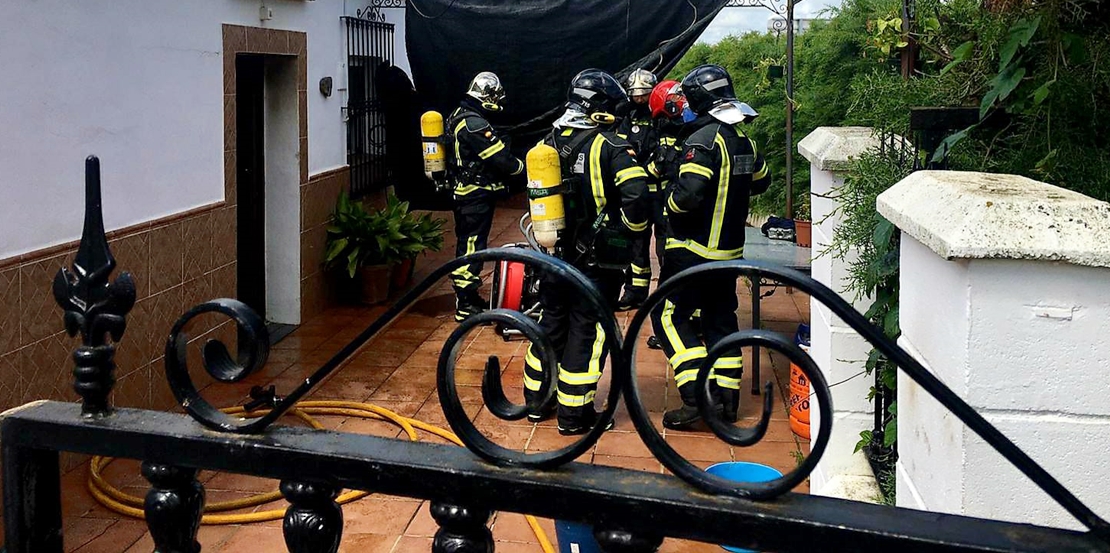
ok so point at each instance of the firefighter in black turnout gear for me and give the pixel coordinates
(606, 200)
(638, 128)
(707, 209)
(480, 161)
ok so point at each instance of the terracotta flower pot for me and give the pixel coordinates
(402, 275)
(373, 283)
(803, 233)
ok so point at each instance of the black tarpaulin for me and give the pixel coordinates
(537, 46)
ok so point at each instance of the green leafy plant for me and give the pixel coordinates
(359, 238)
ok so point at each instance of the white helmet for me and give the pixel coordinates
(486, 88)
(640, 82)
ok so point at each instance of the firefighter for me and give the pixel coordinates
(707, 210)
(481, 161)
(638, 128)
(605, 189)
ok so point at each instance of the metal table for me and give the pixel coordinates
(758, 247)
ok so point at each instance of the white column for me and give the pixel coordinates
(838, 350)
(1005, 297)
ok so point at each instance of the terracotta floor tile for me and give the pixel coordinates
(76, 500)
(635, 463)
(255, 538)
(398, 388)
(118, 537)
(696, 448)
(671, 545)
(516, 547)
(411, 544)
(549, 439)
(406, 408)
(345, 389)
(79, 531)
(241, 482)
(622, 444)
(371, 427)
(377, 515)
(367, 543)
(422, 524)
(485, 419)
(300, 343)
(210, 538)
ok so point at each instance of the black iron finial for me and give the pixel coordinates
(94, 306)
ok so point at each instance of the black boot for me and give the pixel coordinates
(543, 413)
(728, 400)
(574, 422)
(467, 304)
(681, 418)
(633, 298)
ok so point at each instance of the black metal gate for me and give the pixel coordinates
(369, 50)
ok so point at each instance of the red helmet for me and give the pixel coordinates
(667, 99)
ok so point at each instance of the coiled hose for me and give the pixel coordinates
(115, 500)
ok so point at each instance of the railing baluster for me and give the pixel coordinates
(461, 529)
(313, 521)
(32, 501)
(621, 541)
(173, 507)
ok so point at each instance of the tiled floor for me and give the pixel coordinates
(397, 370)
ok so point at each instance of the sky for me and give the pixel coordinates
(737, 21)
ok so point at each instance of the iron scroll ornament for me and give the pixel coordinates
(874, 335)
(254, 348)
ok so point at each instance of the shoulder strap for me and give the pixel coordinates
(575, 144)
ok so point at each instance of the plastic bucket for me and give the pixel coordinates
(741, 471)
(798, 398)
(575, 537)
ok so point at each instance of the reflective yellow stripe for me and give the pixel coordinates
(718, 220)
(638, 270)
(726, 382)
(671, 205)
(464, 271)
(652, 187)
(668, 141)
(519, 168)
(696, 169)
(630, 173)
(691, 354)
(641, 283)
(532, 384)
(458, 154)
(685, 377)
(595, 353)
(653, 169)
(708, 253)
(576, 401)
(497, 147)
(637, 227)
(466, 189)
(532, 361)
(729, 363)
(597, 184)
(761, 173)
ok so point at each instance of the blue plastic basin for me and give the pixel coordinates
(740, 471)
(574, 537)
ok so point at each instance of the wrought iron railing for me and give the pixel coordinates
(369, 50)
(630, 511)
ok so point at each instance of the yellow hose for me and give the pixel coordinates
(128, 505)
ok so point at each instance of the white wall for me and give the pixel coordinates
(283, 193)
(140, 84)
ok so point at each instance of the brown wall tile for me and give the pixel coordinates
(230, 126)
(194, 293)
(230, 79)
(164, 311)
(313, 243)
(230, 189)
(302, 72)
(9, 310)
(197, 234)
(224, 281)
(318, 201)
(235, 38)
(39, 314)
(302, 112)
(135, 348)
(167, 257)
(224, 246)
(313, 296)
(133, 390)
(47, 369)
(132, 254)
(298, 42)
(161, 397)
(11, 380)
(304, 159)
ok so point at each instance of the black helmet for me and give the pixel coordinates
(598, 94)
(707, 86)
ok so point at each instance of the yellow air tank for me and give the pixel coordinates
(545, 199)
(435, 159)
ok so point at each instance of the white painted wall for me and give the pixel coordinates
(1003, 298)
(140, 84)
(283, 193)
(838, 350)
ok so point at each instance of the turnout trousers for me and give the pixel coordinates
(677, 333)
(571, 323)
(473, 219)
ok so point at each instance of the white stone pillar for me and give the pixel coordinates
(837, 349)
(1005, 297)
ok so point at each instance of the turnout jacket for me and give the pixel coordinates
(481, 159)
(707, 207)
(605, 176)
(639, 130)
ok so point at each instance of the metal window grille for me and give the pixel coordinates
(369, 50)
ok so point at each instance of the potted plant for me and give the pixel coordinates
(421, 233)
(803, 227)
(365, 245)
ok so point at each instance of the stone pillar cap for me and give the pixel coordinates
(831, 148)
(967, 215)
